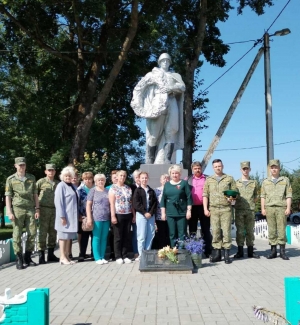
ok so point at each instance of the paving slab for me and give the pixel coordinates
(87, 293)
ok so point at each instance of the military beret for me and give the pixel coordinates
(245, 164)
(20, 160)
(274, 162)
(50, 166)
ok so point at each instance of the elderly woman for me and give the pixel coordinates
(176, 204)
(122, 214)
(161, 225)
(145, 204)
(98, 211)
(66, 221)
(83, 191)
(75, 182)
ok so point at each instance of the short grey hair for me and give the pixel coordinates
(136, 173)
(99, 176)
(196, 163)
(67, 171)
(177, 168)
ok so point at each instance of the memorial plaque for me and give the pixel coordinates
(150, 262)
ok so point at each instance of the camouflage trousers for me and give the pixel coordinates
(23, 218)
(46, 228)
(244, 221)
(276, 225)
(220, 220)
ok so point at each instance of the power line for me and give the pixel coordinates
(258, 147)
(278, 15)
(287, 167)
(222, 75)
(286, 162)
(256, 42)
(240, 42)
(107, 51)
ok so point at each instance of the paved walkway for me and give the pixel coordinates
(87, 293)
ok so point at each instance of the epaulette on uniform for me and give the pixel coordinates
(11, 176)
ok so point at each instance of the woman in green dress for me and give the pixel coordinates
(176, 204)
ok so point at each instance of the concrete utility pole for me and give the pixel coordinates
(231, 110)
(268, 99)
(268, 96)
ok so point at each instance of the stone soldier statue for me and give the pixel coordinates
(22, 206)
(219, 210)
(46, 187)
(244, 211)
(158, 97)
(276, 200)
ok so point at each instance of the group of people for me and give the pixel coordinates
(65, 211)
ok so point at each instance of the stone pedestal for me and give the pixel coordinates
(150, 262)
(156, 170)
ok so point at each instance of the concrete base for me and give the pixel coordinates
(156, 170)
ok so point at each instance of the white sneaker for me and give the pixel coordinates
(137, 259)
(119, 261)
(100, 262)
(104, 261)
(127, 260)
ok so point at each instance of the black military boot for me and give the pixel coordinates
(251, 254)
(226, 256)
(27, 259)
(51, 256)
(282, 252)
(240, 252)
(42, 257)
(19, 261)
(151, 151)
(273, 252)
(168, 151)
(215, 256)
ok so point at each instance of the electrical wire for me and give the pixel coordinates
(240, 42)
(278, 16)
(258, 147)
(222, 75)
(108, 51)
(256, 42)
(286, 162)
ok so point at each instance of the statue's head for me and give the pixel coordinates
(164, 56)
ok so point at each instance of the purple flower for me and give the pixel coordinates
(194, 245)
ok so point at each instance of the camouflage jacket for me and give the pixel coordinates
(275, 194)
(21, 191)
(213, 189)
(46, 191)
(247, 196)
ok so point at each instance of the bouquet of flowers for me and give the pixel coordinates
(168, 252)
(194, 245)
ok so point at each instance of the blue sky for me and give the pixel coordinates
(247, 126)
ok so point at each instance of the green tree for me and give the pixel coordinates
(75, 63)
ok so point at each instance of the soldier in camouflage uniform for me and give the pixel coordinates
(244, 211)
(22, 206)
(219, 210)
(46, 187)
(276, 200)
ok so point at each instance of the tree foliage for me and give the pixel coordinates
(68, 68)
